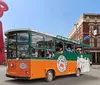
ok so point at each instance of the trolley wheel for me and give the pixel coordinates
(78, 72)
(49, 76)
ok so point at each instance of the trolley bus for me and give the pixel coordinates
(32, 54)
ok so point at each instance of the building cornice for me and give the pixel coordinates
(91, 18)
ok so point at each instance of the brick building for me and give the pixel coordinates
(88, 24)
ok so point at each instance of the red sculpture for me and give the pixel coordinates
(3, 8)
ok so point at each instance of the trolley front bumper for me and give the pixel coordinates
(19, 77)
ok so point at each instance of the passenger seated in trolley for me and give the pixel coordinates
(48, 54)
(69, 49)
(59, 50)
(79, 50)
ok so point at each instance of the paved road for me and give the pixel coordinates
(91, 78)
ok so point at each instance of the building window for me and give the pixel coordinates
(91, 28)
(91, 42)
(98, 42)
(98, 29)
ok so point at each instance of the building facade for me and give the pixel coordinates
(88, 25)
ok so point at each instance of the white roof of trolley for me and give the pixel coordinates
(28, 29)
(58, 36)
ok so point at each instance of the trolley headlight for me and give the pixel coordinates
(23, 65)
(27, 72)
(11, 65)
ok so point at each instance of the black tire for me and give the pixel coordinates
(78, 72)
(49, 76)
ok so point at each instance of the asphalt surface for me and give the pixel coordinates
(91, 78)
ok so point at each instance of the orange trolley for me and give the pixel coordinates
(32, 54)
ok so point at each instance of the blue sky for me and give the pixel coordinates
(56, 17)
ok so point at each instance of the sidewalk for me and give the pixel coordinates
(95, 66)
(2, 66)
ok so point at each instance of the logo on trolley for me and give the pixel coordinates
(22, 65)
(61, 63)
